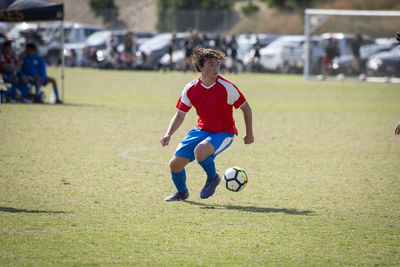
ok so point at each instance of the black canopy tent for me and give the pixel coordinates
(35, 10)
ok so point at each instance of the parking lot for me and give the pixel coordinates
(97, 47)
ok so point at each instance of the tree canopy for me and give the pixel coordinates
(106, 9)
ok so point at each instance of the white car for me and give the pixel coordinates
(283, 55)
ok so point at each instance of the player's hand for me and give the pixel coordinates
(397, 130)
(165, 140)
(248, 139)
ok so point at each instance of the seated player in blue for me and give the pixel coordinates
(34, 68)
(10, 68)
(213, 97)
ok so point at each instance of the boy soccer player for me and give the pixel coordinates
(35, 68)
(213, 97)
(10, 68)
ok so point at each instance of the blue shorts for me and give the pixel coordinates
(220, 142)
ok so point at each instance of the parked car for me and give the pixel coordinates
(284, 55)
(155, 48)
(344, 64)
(385, 63)
(96, 45)
(21, 33)
(75, 35)
(246, 44)
(344, 41)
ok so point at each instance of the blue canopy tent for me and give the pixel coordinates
(35, 10)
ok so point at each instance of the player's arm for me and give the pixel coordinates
(248, 120)
(175, 123)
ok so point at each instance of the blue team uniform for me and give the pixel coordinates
(35, 65)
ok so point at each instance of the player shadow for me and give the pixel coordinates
(13, 210)
(250, 208)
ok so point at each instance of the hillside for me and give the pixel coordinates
(138, 15)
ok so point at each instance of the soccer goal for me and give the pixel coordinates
(375, 27)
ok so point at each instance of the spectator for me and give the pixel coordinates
(10, 67)
(204, 40)
(398, 37)
(256, 55)
(130, 49)
(171, 48)
(355, 47)
(188, 47)
(220, 44)
(331, 51)
(112, 58)
(196, 40)
(233, 49)
(34, 68)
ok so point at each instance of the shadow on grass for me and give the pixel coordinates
(250, 208)
(68, 104)
(12, 210)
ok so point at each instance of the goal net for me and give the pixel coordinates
(364, 42)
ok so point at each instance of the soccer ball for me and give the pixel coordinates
(235, 179)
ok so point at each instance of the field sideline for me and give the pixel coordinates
(84, 183)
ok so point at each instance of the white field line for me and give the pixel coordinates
(127, 154)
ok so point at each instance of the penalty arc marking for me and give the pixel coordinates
(127, 154)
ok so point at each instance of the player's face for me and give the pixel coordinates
(210, 69)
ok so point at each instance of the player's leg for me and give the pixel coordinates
(37, 82)
(184, 154)
(177, 167)
(55, 87)
(10, 78)
(205, 153)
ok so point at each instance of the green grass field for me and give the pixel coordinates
(84, 183)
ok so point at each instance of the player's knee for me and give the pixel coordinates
(202, 151)
(175, 166)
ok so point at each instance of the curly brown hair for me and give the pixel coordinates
(200, 54)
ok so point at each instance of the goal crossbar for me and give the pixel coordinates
(339, 12)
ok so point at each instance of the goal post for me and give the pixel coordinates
(314, 18)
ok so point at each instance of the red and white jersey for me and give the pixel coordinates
(12, 60)
(214, 104)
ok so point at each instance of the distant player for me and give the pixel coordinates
(34, 68)
(213, 97)
(10, 68)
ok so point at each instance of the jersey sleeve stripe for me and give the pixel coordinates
(184, 98)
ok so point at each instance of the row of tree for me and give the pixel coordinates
(101, 8)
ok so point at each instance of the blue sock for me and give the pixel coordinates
(209, 167)
(37, 87)
(24, 90)
(179, 179)
(56, 93)
(14, 86)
